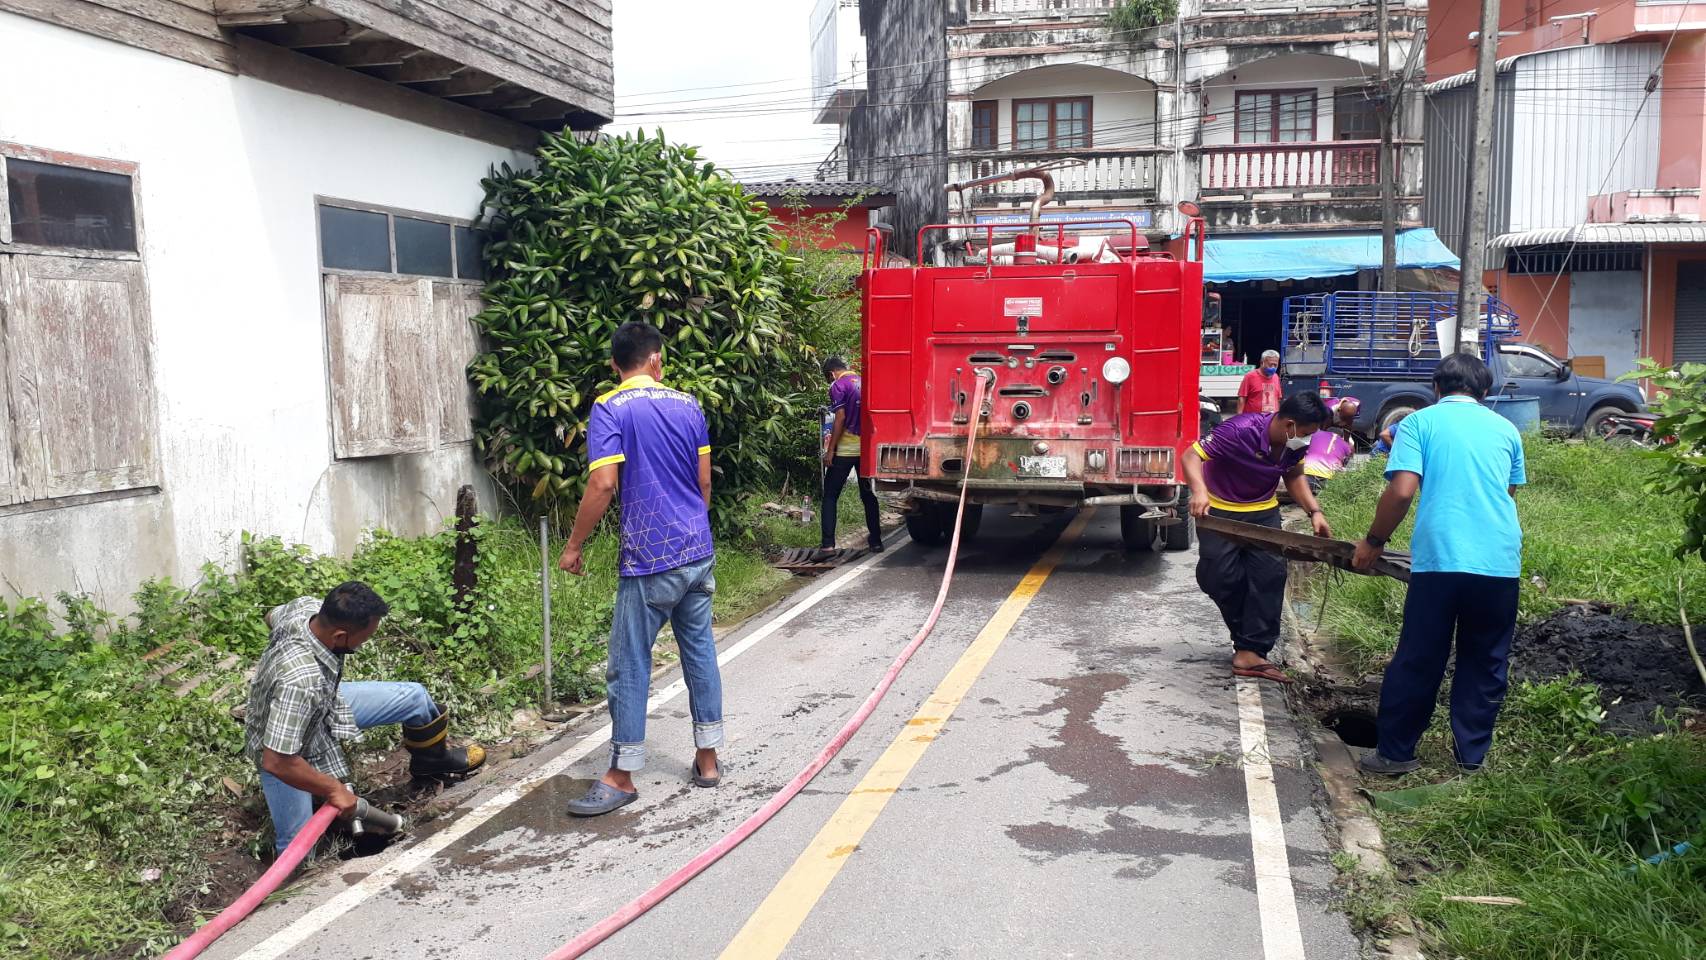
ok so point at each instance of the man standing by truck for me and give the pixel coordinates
(1234, 473)
(1466, 566)
(841, 456)
(1259, 391)
(654, 443)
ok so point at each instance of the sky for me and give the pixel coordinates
(730, 76)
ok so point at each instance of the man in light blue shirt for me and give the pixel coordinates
(1466, 567)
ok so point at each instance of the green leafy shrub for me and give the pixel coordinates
(1681, 404)
(634, 228)
(1134, 16)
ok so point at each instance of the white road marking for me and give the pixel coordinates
(411, 857)
(1276, 901)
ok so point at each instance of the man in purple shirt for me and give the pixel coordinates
(1235, 473)
(841, 455)
(654, 443)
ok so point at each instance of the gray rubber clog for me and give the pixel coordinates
(599, 799)
(700, 780)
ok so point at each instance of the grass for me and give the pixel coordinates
(113, 793)
(1590, 531)
(1565, 814)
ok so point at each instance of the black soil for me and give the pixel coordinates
(1638, 667)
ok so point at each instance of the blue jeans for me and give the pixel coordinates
(374, 703)
(681, 597)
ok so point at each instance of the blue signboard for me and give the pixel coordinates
(1143, 218)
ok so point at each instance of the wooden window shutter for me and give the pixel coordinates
(453, 308)
(383, 354)
(79, 376)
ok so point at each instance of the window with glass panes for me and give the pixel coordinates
(983, 134)
(1276, 116)
(1061, 123)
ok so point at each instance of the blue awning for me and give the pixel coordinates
(1297, 256)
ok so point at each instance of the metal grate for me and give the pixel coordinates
(1688, 336)
(1581, 258)
(1145, 462)
(902, 458)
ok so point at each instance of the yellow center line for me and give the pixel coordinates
(778, 918)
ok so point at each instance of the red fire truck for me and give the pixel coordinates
(1090, 351)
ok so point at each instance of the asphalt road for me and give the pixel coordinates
(1064, 770)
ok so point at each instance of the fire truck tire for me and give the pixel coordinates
(924, 526)
(968, 527)
(1138, 533)
(1180, 535)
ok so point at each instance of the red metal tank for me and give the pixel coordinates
(1093, 353)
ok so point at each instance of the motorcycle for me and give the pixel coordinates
(1631, 428)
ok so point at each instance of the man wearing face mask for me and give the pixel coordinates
(1234, 473)
(1260, 390)
(298, 709)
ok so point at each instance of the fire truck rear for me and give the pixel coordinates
(1089, 351)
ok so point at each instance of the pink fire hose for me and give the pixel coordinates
(286, 861)
(597, 934)
(299, 846)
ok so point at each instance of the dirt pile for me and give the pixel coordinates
(1638, 667)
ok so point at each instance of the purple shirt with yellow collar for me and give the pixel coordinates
(1239, 469)
(655, 436)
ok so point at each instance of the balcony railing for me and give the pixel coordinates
(1030, 9)
(1256, 166)
(1116, 174)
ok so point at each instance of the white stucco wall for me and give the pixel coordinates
(1293, 72)
(229, 169)
(1122, 106)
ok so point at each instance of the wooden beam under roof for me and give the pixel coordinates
(367, 53)
(314, 33)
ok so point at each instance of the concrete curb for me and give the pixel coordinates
(1359, 831)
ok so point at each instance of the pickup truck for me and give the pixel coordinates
(1382, 348)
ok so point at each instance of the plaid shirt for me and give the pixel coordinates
(294, 707)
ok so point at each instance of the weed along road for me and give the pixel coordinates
(1065, 769)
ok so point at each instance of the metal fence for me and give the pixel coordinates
(1368, 332)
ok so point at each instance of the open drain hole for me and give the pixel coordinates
(1355, 727)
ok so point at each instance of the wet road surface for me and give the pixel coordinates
(1095, 790)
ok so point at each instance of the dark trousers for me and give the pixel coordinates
(1248, 585)
(833, 480)
(1481, 613)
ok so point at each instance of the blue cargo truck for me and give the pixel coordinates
(1382, 349)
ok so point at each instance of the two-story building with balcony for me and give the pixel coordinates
(1265, 117)
(1594, 216)
(238, 265)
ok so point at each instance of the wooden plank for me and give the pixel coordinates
(185, 15)
(78, 334)
(239, 13)
(527, 30)
(297, 71)
(384, 366)
(121, 27)
(519, 18)
(468, 83)
(454, 306)
(420, 68)
(367, 53)
(314, 33)
(10, 489)
(432, 29)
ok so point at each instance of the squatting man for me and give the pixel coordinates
(299, 709)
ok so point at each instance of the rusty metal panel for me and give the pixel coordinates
(453, 308)
(383, 355)
(79, 376)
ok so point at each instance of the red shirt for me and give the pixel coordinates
(1260, 394)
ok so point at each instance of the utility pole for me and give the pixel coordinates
(1387, 165)
(1474, 253)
